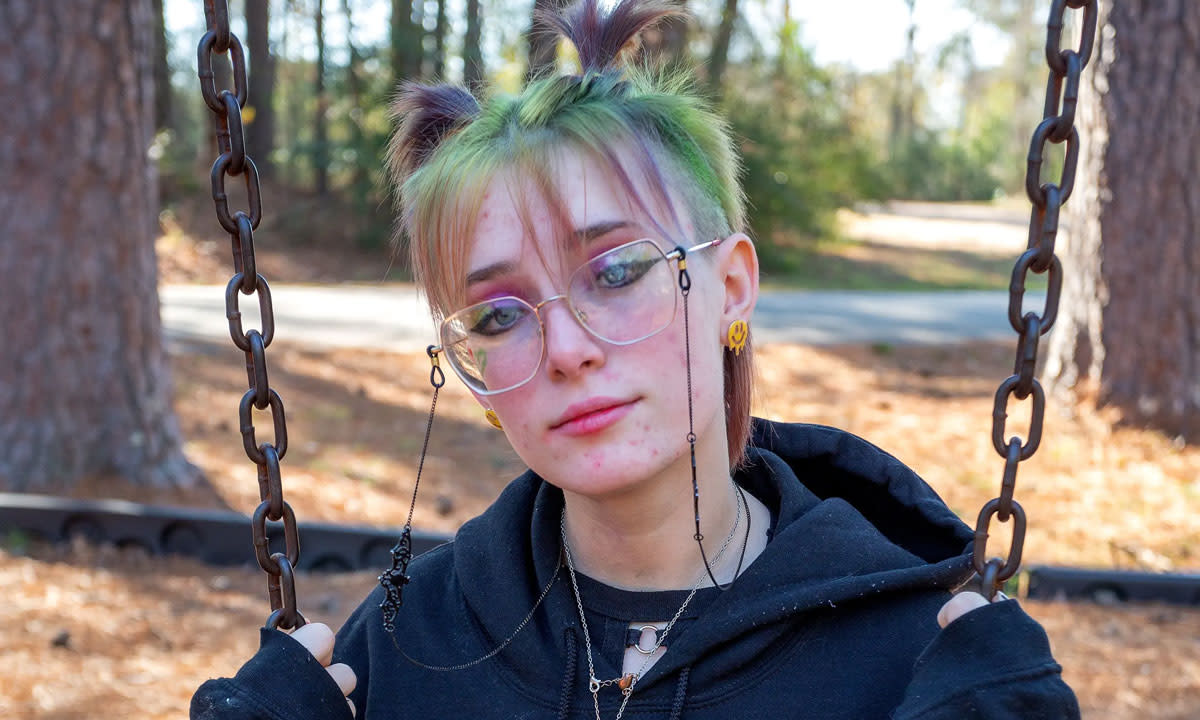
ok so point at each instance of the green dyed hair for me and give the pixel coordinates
(636, 122)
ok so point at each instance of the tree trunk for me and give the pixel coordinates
(360, 182)
(902, 121)
(260, 133)
(162, 71)
(472, 53)
(720, 47)
(291, 93)
(320, 131)
(542, 41)
(84, 383)
(1129, 326)
(439, 41)
(406, 42)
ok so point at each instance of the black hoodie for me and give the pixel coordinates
(836, 619)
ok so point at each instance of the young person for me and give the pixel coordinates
(666, 556)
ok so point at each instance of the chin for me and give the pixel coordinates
(610, 468)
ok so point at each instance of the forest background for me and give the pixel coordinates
(947, 119)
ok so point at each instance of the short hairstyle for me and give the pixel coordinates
(633, 121)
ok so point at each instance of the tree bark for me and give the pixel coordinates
(903, 121)
(406, 42)
(320, 153)
(439, 41)
(162, 71)
(84, 383)
(719, 57)
(360, 182)
(260, 133)
(1129, 326)
(472, 52)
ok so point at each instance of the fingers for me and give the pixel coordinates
(343, 676)
(317, 638)
(960, 605)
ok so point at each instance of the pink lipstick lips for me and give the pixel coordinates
(592, 415)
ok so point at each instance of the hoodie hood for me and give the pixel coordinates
(852, 525)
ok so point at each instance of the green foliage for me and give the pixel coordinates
(926, 166)
(802, 157)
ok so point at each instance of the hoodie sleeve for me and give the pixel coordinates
(283, 681)
(993, 663)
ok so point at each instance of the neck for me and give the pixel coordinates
(642, 537)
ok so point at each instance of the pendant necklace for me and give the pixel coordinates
(627, 681)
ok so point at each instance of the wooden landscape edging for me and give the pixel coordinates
(222, 537)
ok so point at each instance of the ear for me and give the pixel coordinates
(737, 271)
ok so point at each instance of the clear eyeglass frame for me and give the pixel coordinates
(468, 362)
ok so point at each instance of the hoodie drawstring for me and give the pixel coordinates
(565, 697)
(680, 694)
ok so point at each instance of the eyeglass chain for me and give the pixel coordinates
(627, 682)
(394, 579)
(685, 288)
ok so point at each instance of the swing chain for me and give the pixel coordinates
(1057, 126)
(232, 161)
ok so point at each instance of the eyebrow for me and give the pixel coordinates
(488, 272)
(591, 232)
(582, 235)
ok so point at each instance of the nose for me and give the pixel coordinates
(570, 348)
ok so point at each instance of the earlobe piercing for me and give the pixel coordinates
(737, 336)
(491, 416)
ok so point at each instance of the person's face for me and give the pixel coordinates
(596, 418)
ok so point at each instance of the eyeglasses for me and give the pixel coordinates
(621, 296)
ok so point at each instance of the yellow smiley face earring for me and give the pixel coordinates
(491, 416)
(738, 332)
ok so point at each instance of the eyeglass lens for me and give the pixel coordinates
(621, 296)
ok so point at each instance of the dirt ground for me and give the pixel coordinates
(102, 633)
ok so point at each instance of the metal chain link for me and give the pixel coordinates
(226, 106)
(1057, 126)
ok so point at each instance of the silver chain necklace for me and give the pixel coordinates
(627, 682)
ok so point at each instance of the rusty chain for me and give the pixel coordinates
(226, 106)
(1057, 126)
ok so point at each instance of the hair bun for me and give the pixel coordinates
(600, 36)
(426, 116)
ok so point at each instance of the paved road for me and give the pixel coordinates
(392, 317)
